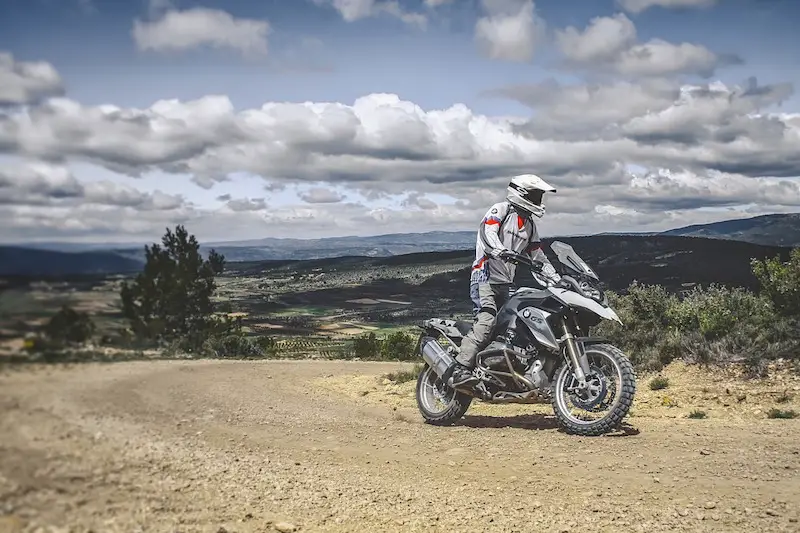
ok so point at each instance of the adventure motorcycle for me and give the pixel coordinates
(539, 352)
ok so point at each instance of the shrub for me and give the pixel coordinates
(697, 414)
(713, 325)
(366, 346)
(779, 413)
(658, 383)
(69, 326)
(666, 401)
(239, 346)
(780, 282)
(398, 346)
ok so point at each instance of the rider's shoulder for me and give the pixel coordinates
(499, 209)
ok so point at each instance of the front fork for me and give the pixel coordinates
(577, 356)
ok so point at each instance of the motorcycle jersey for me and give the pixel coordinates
(504, 228)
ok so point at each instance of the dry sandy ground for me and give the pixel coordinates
(214, 446)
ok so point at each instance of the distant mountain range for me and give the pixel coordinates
(61, 259)
(775, 230)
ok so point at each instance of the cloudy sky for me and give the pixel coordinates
(308, 118)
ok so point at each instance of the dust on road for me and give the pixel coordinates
(213, 446)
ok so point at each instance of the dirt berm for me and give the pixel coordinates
(298, 446)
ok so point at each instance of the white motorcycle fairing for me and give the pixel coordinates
(574, 299)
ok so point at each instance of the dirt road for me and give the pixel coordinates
(256, 446)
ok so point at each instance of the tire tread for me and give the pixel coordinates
(614, 419)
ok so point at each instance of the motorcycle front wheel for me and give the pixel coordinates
(610, 392)
(438, 403)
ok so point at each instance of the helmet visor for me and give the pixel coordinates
(534, 196)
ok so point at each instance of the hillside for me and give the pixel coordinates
(399, 249)
(30, 262)
(673, 261)
(774, 230)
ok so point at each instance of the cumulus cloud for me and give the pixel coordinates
(27, 82)
(667, 189)
(354, 10)
(40, 184)
(587, 111)
(701, 146)
(178, 30)
(321, 195)
(510, 30)
(610, 43)
(416, 199)
(382, 141)
(246, 204)
(638, 6)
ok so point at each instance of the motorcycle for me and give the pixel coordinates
(539, 352)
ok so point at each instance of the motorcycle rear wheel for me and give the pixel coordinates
(624, 389)
(430, 390)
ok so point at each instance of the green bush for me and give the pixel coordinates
(69, 326)
(658, 383)
(238, 346)
(779, 413)
(398, 346)
(712, 325)
(780, 282)
(366, 346)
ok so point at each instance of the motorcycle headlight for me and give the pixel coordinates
(591, 291)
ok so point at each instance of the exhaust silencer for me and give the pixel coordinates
(437, 357)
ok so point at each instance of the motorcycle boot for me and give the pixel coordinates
(463, 378)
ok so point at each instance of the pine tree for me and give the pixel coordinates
(171, 298)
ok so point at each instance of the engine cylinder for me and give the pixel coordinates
(436, 356)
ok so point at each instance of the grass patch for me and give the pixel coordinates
(403, 376)
(666, 401)
(697, 414)
(780, 413)
(659, 382)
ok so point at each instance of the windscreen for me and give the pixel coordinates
(570, 258)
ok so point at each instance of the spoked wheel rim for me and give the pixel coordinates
(436, 397)
(602, 395)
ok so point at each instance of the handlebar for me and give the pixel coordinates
(516, 258)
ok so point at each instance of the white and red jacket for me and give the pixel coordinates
(504, 228)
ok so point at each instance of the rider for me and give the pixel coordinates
(506, 230)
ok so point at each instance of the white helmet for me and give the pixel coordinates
(525, 192)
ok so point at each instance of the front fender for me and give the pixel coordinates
(573, 299)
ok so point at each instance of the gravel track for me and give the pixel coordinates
(212, 446)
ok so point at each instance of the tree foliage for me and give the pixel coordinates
(171, 298)
(780, 282)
